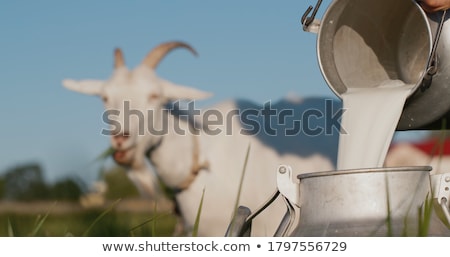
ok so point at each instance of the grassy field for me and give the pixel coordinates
(64, 219)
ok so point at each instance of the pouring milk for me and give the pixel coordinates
(373, 55)
(373, 102)
(368, 123)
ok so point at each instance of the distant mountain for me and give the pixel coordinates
(295, 126)
(303, 127)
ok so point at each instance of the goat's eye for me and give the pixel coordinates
(153, 96)
(104, 99)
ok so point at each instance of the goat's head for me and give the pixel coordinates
(134, 100)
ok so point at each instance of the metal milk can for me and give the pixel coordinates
(362, 43)
(400, 201)
(404, 201)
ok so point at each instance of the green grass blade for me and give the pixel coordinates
(388, 202)
(154, 220)
(41, 222)
(110, 208)
(238, 197)
(10, 229)
(197, 219)
(163, 215)
(425, 213)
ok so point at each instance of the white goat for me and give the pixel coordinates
(193, 162)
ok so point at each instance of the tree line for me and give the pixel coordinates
(26, 182)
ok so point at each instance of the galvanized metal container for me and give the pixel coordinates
(400, 201)
(362, 43)
(367, 202)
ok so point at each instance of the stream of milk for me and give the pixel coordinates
(368, 124)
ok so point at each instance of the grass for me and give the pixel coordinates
(238, 197)
(25, 221)
(91, 223)
(197, 218)
(40, 222)
(104, 213)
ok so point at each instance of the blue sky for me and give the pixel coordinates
(247, 49)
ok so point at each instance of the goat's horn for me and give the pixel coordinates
(118, 58)
(157, 54)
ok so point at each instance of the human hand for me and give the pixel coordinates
(434, 5)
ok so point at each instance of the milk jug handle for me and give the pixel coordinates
(432, 65)
(440, 184)
(241, 224)
(307, 21)
(445, 210)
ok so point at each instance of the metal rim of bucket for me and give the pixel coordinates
(325, 76)
(430, 50)
(365, 170)
(319, 37)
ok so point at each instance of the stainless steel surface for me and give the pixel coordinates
(363, 43)
(429, 106)
(359, 202)
(365, 170)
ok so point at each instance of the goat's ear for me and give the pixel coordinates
(177, 92)
(89, 87)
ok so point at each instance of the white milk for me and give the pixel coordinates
(368, 123)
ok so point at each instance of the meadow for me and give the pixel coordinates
(30, 206)
(56, 219)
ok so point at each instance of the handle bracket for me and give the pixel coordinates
(440, 185)
(309, 21)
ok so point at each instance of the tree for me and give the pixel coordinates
(25, 183)
(2, 187)
(67, 189)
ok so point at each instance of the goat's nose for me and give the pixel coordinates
(121, 138)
